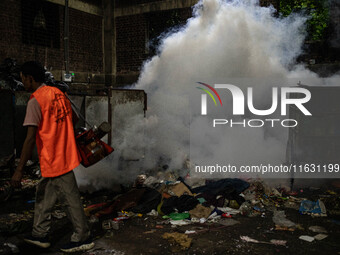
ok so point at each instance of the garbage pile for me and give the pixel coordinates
(174, 202)
(28, 182)
(182, 208)
(9, 75)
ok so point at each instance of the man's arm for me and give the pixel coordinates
(26, 153)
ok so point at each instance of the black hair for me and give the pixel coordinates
(35, 69)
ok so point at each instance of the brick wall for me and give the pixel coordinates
(130, 42)
(134, 31)
(86, 54)
(86, 42)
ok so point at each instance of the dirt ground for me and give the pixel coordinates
(219, 239)
(143, 235)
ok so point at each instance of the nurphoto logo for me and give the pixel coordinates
(238, 105)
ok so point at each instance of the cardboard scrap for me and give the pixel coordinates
(200, 211)
(182, 239)
(178, 189)
(320, 237)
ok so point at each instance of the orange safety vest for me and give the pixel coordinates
(55, 139)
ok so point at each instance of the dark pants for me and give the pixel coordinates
(63, 188)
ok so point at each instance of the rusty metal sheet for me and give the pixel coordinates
(96, 111)
(127, 109)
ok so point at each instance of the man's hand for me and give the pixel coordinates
(25, 155)
(16, 178)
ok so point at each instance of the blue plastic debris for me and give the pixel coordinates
(313, 208)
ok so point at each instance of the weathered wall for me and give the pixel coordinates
(86, 48)
(136, 31)
(130, 42)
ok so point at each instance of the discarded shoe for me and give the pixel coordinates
(40, 242)
(78, 246)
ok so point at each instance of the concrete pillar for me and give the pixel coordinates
(109, 47)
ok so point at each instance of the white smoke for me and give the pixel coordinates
(224, 42)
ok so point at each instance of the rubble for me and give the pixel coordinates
(280, 220)
(16, 222)
(13, 247)
(110, 224)
(182, 239)
(5, 192)
(162, 206)
(153, 212)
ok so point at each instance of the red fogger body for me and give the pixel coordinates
(91, 148)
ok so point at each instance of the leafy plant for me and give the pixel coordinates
(317, 10)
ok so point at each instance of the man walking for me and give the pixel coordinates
(49, 121)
